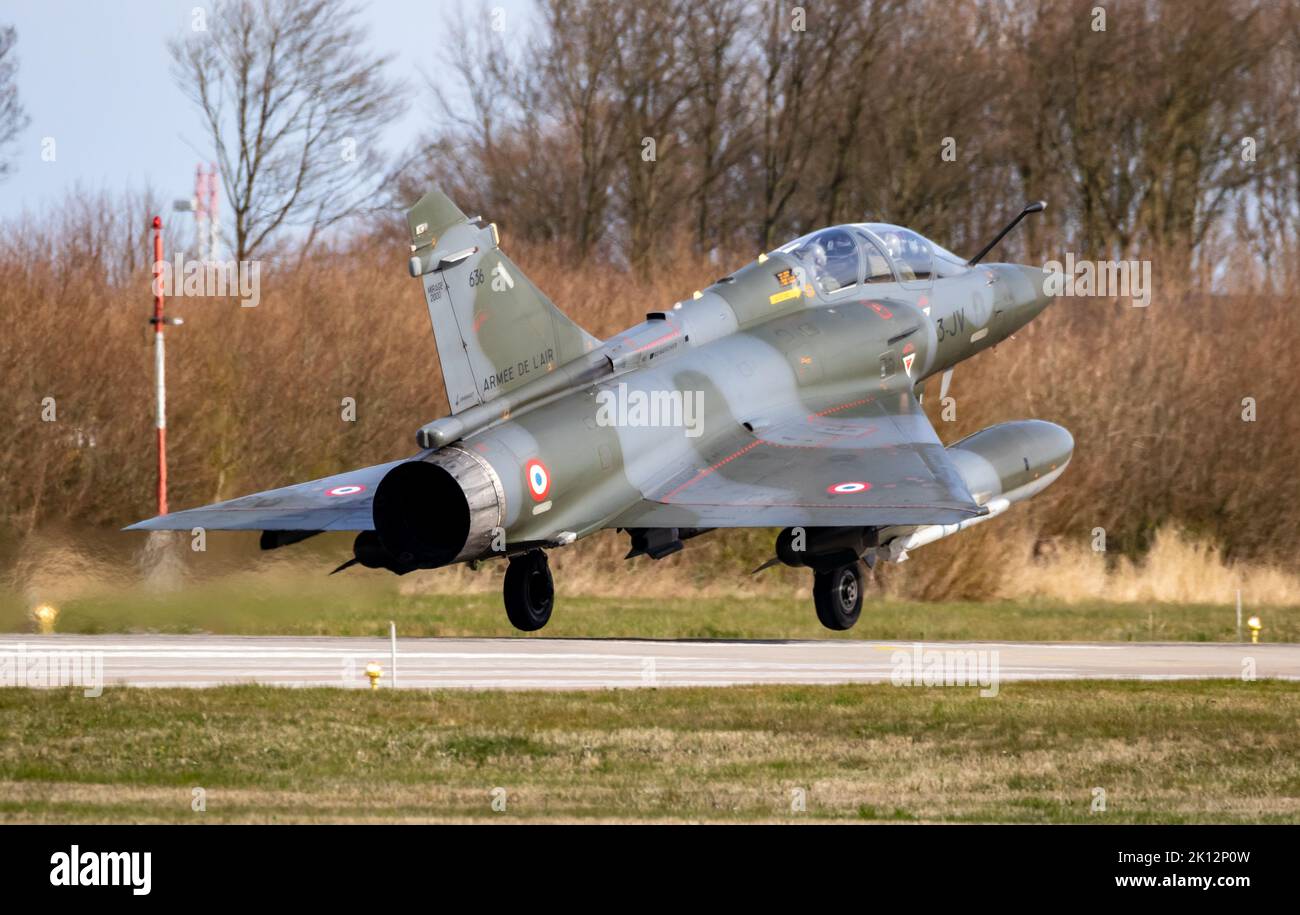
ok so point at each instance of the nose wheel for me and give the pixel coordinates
(529, 591)
(838, 596)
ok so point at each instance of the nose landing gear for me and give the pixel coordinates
(529, 591)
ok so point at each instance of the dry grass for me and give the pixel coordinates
(1179, 568)
(986, 563)
(1183, 590)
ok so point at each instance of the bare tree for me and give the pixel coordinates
(489, 148)
(797, 84)
(651, 82)
(576, 70)
(1146, 121)
(719, 124)
(13, 120)
(771, 118)
(294, 106)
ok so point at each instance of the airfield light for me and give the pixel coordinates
(1255, 627)
(45, 616)
(392, 647)
(374, 672)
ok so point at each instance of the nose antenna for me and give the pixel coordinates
(1036, 207)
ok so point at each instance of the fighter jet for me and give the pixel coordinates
(785, 395)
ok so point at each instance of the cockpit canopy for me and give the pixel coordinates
(844, 257)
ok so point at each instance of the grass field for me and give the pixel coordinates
(314, 610)
(1163, 752)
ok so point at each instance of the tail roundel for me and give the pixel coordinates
(494, 329)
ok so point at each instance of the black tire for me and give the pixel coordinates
(529, 591)
(838, 596)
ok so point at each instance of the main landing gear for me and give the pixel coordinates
(837, 595)
(835, 556)
(529, 591)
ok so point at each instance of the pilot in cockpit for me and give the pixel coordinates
(832, 259)
(814, 255)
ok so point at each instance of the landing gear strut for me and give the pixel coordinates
(837, 595)
(529, 591)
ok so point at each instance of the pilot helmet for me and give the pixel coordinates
(815, 253)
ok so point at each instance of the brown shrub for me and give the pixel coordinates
(1153, 396)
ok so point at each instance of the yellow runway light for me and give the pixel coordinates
(45, 616)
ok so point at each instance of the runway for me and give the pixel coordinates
(540, 663)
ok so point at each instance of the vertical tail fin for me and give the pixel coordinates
(494, 329)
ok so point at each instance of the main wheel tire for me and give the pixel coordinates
(838, 596)
(529, 591)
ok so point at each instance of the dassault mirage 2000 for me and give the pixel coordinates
(784, 395)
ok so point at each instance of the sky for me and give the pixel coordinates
(95, 76)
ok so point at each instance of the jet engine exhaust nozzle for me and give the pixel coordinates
(433, 512)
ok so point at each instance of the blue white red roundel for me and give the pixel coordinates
(348, 490)
(847, 488)
(539, 479)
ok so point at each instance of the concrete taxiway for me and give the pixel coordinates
(542, 663)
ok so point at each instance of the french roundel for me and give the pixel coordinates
(539, 479)
(348, 490)
(847, 488)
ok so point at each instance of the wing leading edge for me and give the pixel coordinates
(338, 503)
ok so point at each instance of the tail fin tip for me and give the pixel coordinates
(494, 329)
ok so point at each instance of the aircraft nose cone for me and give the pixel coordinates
(1028, 292)
(1036, 278)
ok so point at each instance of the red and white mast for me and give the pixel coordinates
(159, 321)
(159, 362)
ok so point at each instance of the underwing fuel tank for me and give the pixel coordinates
(1001, 465)
(432, 512)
